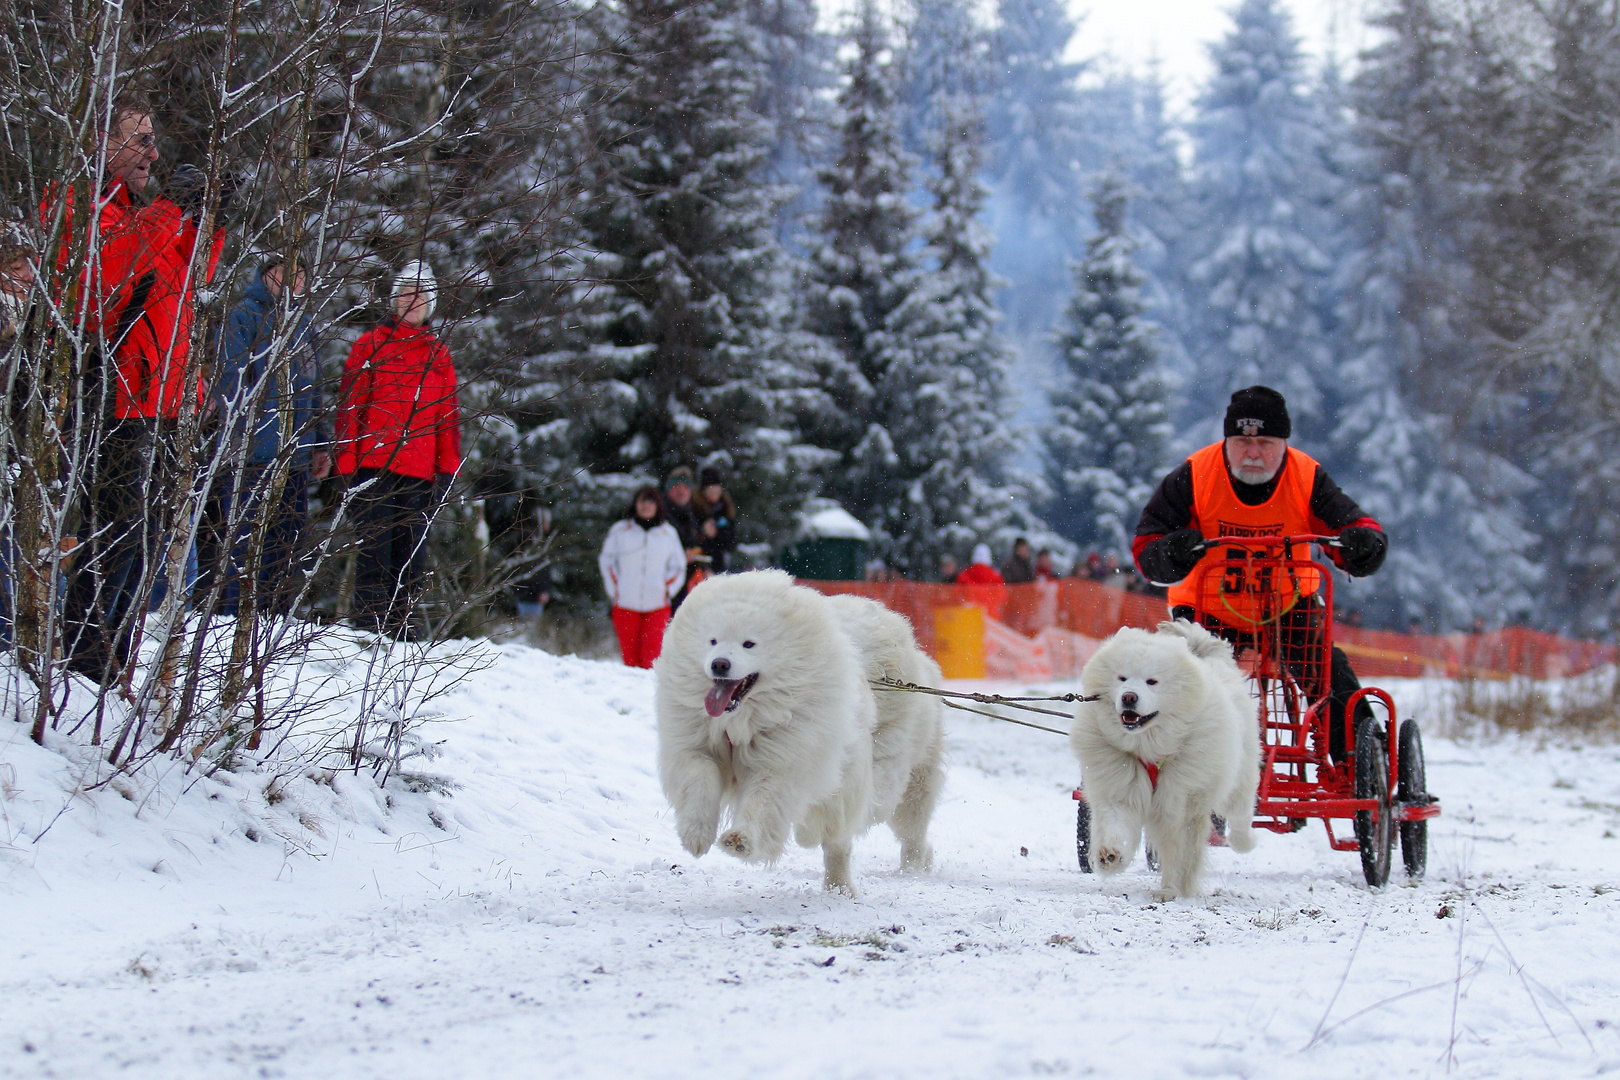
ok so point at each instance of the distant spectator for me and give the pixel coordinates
(1414, 626)
(255, 422)
(1351, 618)
(1043, 566)
(1019, 569)
(1113, 575)
(141, 306)
(982, 585)
(16, 289)
(877, 570)
(398, 433)
(533, 593)
(643, 568)
(678, 508)
(1092, 568)
(948, 569)
(717, 520)
(682, 516)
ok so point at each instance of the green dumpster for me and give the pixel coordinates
(831, 546)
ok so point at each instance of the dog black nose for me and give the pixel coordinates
(720, 666)
(1128, 700)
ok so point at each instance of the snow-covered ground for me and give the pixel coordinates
(542, 921)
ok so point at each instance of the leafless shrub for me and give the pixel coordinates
(342, 140)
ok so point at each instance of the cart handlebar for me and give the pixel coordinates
(1271, 541)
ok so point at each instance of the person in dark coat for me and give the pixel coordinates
(1019, 569)
(682, 514)
(254, 360)
(717, 520)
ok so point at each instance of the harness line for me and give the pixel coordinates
(1008, 719)
(985, 699)
(896, 685)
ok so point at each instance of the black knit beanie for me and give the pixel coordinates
(1258, 410)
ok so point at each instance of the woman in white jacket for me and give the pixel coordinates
(643, 566)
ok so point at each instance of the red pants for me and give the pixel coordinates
(641, 634)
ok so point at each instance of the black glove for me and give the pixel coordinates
(187, 188)
(1362, 549)
(1172, 557)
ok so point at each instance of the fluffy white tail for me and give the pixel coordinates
(1201, 642)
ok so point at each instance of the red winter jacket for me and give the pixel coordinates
(152, 358)
(398, 407)
(141, 291)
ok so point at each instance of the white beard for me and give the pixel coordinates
(1256, 474)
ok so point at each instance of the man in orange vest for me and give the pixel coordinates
(1253, 484)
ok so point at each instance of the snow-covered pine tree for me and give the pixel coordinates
(863, 266)
(945, 61)
(800, 66)
(1107, 444)
(1460, 545)
(1263, 259)
(945, 398)
(1036, 132)
(689, 352)
(1035, 113)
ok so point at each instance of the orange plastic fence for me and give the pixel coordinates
(1057, 624)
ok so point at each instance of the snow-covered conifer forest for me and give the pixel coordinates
(971, 288)
(929, 264)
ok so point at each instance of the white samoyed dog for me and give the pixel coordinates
(765, 713)
(1173, 738)
(908, 745)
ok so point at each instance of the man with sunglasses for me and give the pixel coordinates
(140, 291)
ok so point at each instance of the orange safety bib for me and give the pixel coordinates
(1242, 597)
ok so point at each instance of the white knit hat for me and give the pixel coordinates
(981, 554)
(417, 276)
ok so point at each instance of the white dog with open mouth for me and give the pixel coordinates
(765, 710)
(1173, 738)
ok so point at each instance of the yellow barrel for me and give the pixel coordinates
(959, 640)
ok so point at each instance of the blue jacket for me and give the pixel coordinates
(242, 362)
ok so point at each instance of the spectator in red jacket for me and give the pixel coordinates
(142, 296)
(982, 584)
(398, 433)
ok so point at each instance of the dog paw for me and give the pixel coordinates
(916, 858)
(1164, 896)
(737, 844)
(842, 886)
(1107, 858)
(697, 840)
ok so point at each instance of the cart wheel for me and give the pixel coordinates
(1413, 787)
(1082, 834)
(1376, 837)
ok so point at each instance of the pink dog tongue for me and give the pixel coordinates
(716, 700)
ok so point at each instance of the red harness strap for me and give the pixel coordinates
(1152, 771)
